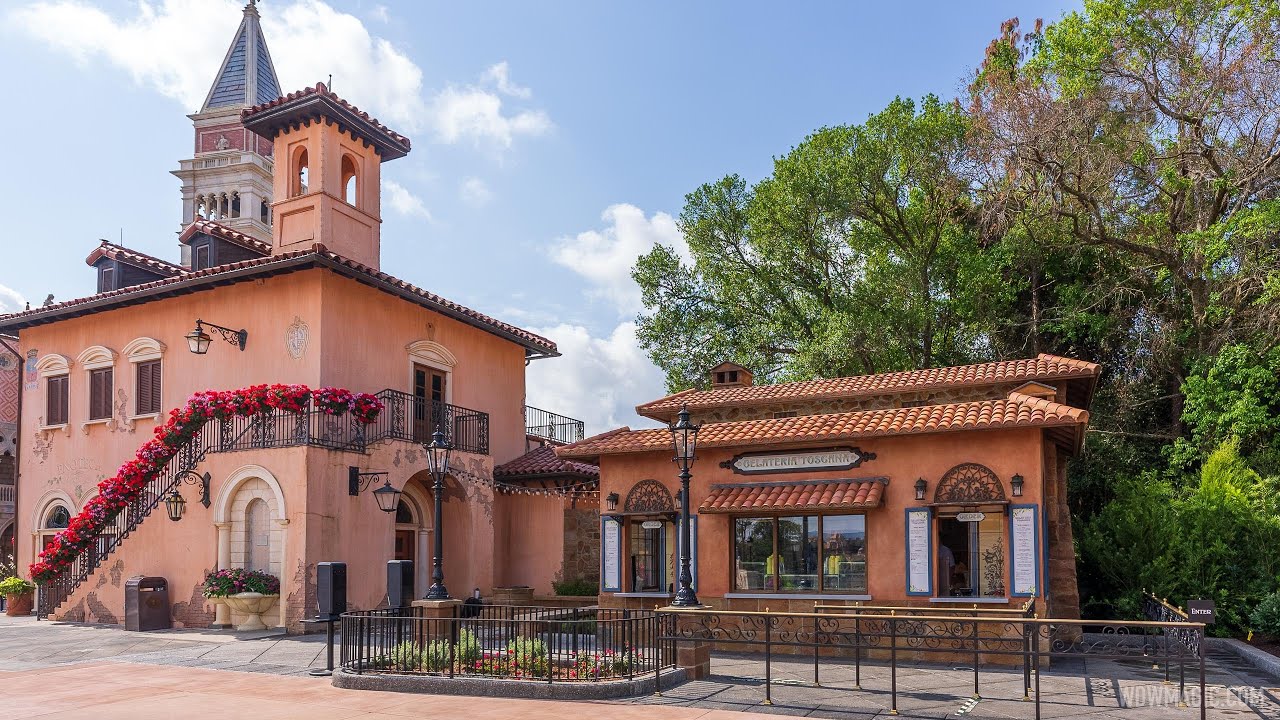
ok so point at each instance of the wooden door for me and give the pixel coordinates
(406, 545)
(429, 397)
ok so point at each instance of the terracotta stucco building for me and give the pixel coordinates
(295, 264)
(937, 486)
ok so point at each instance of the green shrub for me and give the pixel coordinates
(528, 656)
(16, 586)
(1266, 616)
(406, 657)
(467, 650)
(437, 656)
(580, 587)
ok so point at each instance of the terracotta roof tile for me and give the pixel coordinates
(222, 232)
(248, 114)
(133, 257)
(1041, 367)
(795, 495)
(1017, 410)
(543, 461)
(317, 253)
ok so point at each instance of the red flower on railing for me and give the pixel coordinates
(116, 493)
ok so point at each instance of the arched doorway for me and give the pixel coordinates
(457, 523)
(412, 540)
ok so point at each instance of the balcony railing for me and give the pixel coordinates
(407, 417)
(404, 417)
(557, 428)
(7, 496)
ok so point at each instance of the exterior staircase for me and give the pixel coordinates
(404, 417)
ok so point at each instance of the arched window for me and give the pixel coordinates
(301, 172)
(264, 213)
(257, 531)
(350, 188)
(235, 204)
(404, 516)
(57, 518)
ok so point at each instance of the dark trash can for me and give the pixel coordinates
(146, 604)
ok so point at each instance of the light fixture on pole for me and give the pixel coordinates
(921, 486)
(198, 340)
(1016, 483)
(438, 464)
(684, 439)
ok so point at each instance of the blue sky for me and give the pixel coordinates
(553, 142)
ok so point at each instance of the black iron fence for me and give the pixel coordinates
(988, 640)
(558, 428)
(408, 417)
(519, 643)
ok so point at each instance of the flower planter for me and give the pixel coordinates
(252, 604)
(19, 605)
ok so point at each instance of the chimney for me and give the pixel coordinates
(728, 374)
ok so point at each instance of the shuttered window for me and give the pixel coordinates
(56, 400)
(148, 392)
(100, 386)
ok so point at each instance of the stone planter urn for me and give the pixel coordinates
(252, 604)
(20, 604)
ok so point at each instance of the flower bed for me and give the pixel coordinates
(523, 659)
(116, 493)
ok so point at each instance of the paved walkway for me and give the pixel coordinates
(68, 670)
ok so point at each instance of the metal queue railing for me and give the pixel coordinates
(896, 636)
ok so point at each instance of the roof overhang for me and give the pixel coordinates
(251, 270)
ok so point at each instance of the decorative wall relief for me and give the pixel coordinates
(77, 473)
(32, 378)
(296, 337)
(122, 421)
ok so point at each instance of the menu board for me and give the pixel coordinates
(919, 565)
(611, 554)
(1026, 549)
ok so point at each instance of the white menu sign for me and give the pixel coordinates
(918, 565)
(1025, 550)
(611, 554)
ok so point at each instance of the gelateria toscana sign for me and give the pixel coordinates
(799, 461)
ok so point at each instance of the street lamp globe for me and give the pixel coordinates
(198, 340)
(388, 497)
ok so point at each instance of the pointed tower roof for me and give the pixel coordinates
(247, 76)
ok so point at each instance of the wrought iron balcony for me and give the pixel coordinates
(553, 427)
(407, 417)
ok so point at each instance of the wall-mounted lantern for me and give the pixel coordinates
(921, 486)
(198, 340)
(611, 501)
(388, 497)
(1016, 483)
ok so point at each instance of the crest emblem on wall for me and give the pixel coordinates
(295, 338)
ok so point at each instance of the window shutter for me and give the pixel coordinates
(56, 400)
(148, 401)
(100, 382)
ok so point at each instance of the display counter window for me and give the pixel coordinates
(800, 554)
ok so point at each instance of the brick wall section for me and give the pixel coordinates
(1064, 594)
(581, 545)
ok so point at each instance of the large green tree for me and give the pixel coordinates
(859, 254)
(1145, 135)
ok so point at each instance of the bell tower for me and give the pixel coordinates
(327, 179)
(229, 178)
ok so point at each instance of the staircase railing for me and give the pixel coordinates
(56, 590)
(404, 417)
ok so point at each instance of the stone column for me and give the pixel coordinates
(222, 613)
(694, 654)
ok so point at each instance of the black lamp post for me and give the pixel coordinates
(198, 340)
(684, 438)
(438, 464)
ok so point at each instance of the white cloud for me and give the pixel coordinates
(475, 192)
(598, 380)
(175, 46)
(403, 201)
(473, 113)
(500, 76)
(381, 13)
(605, 257)
(11, 300)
